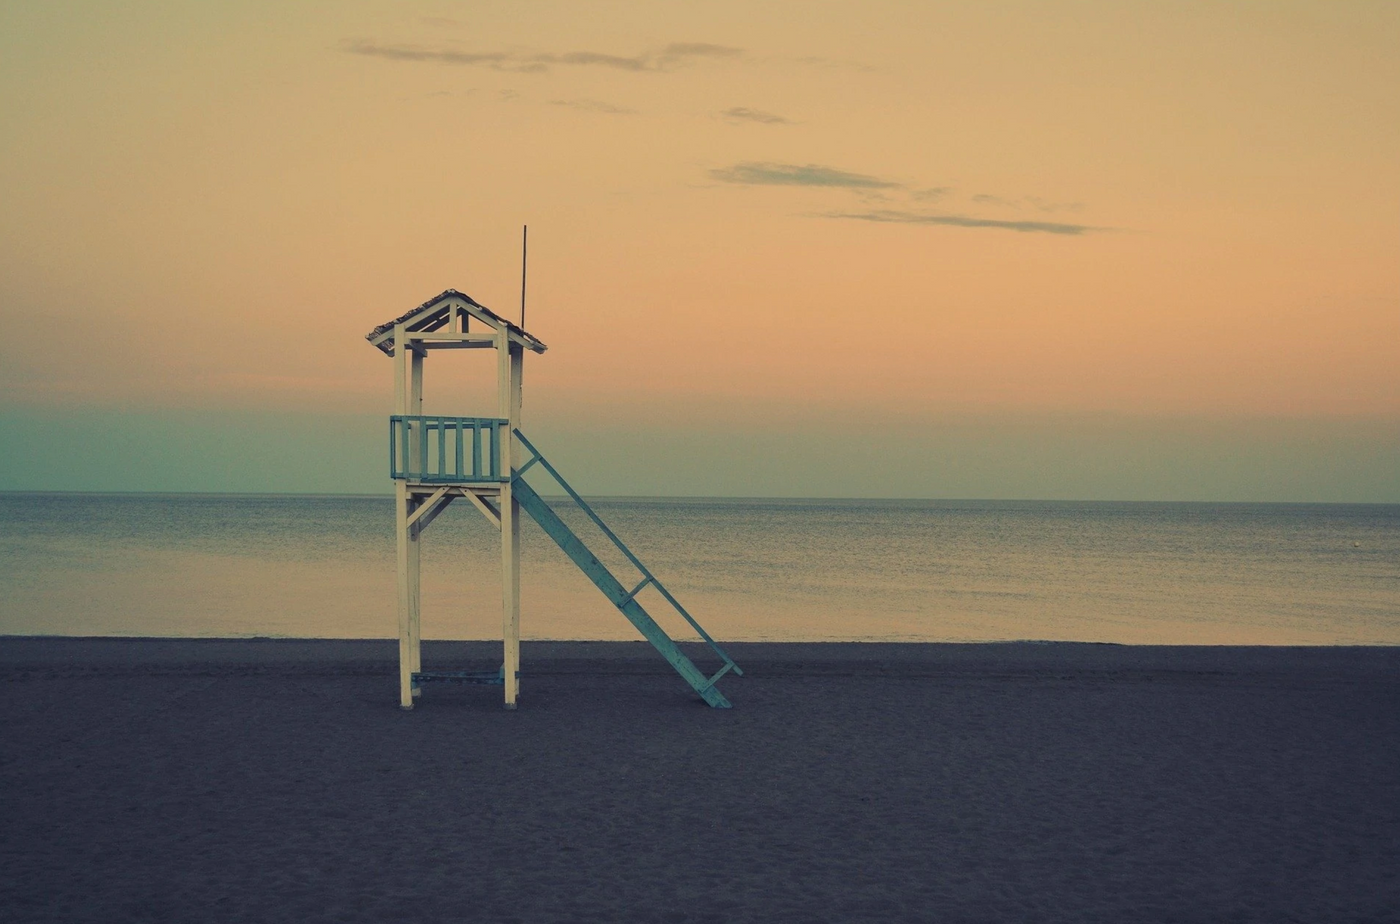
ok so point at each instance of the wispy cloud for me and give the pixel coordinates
(1045, 206)
(894, 202)
(595, 59)
(964, 221)
(669, 58)
(1027, 202)
(420, 53)
(755, 173)
(677, 52)
(592, 105)
(745, 114)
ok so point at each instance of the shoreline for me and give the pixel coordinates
(356, 656)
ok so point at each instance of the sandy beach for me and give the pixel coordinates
(262, 780)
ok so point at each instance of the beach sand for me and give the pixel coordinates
(277, 780)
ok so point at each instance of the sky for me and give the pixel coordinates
(1078, 250)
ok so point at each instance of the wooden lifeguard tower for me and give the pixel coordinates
(434, 460)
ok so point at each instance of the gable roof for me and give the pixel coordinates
(434, 314)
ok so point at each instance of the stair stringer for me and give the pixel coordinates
(603, 579)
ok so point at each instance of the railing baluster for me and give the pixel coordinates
(442, 446)
(411, 448)
(422, 448)
(393, 448)
(403, 447)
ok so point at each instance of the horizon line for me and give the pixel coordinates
(732, 498)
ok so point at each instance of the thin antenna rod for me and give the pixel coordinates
(524, 254)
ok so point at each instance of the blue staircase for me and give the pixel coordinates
(622, 598)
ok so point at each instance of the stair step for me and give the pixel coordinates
(490, 677)
(607, 582)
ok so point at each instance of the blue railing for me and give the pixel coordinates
(447, 450)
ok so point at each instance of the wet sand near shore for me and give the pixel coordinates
(277, 780)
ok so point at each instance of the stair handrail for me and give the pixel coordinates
(538, 457)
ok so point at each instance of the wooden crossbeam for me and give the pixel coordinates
(447, 335)
(455, 345)
(428, 511)
(433, 514)
(424, 506)
(491, 513)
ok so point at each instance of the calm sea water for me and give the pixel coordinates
(190, 565)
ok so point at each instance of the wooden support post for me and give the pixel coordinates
(415, 536)
(401, 499)
(509, 358)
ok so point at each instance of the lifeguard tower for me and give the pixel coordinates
(434, 460)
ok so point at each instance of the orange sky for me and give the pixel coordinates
(775, 212)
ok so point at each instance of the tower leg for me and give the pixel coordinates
(415, 603)
(415, 535)
(510, 591)
(406, 582)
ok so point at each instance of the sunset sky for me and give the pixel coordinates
(1051, 250)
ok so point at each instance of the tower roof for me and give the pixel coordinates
(436, 312)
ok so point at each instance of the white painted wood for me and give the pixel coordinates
(427, 336)
(401, 504)
(415, 398)
(444, 314)
(417, 505)
(415, 536)
(472, 344)
(510, 597)
(486, 320)
(508, 407)
(424, 498)
(510, 522)
(427, 505)
(526, 344)
(400, 372)
(418, 317)
(491, 513)
(431, 514)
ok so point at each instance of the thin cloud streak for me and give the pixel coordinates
(592, 105)
(891, 216)
(755, 173)
(418, 53)
(670, 57)
(679, 51)
(1034, 202)
(590, 58)
(745, 114)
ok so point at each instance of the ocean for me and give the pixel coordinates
(748, 569)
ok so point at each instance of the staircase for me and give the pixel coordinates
(622, 598)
